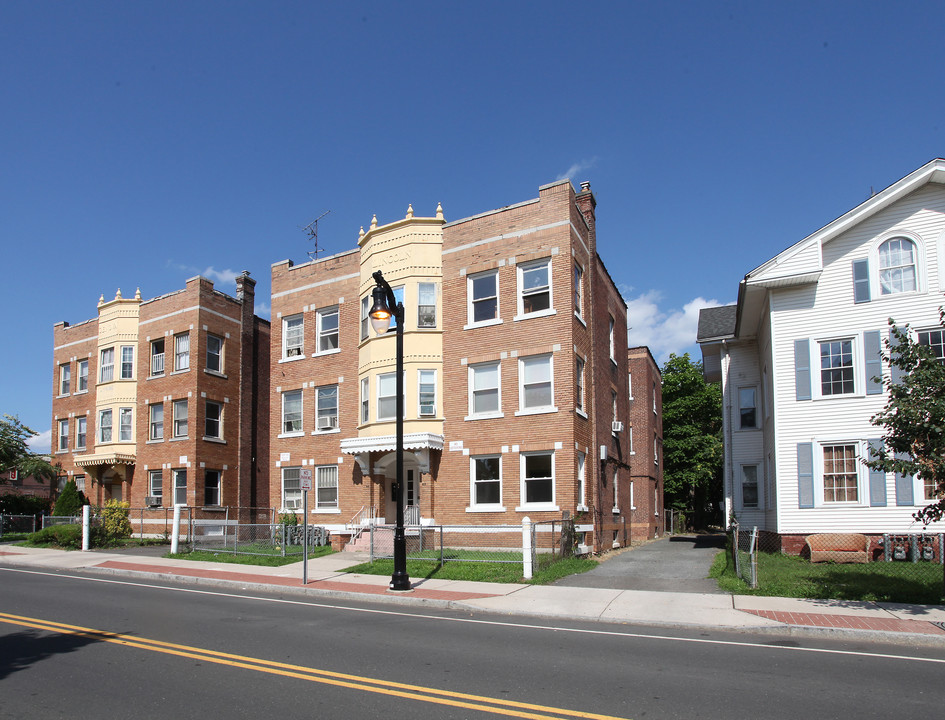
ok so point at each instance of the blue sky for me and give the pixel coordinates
(143, 143)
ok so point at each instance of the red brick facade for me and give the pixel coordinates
(646, 428)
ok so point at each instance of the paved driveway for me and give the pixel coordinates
(671, 564)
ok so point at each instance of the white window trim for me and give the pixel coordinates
(579, 292)
(78, 376)
(159, 475)
(536, 507)
(738, 408)
(100, 426)
(612, 341)
(81, 446)
(336, 507)
(520, 269)
(436, 313)
(436, 398)
(581, 477)
(301, 430)
(475, 507)
(131, 426)
(337, 426)
(60, 436)
(633, 505)
(364, 401)
(219, 435)
(377, 397)
(174, 487)
(121, 362)
(219, 501)
(285, 348)
(207, 368)
(859, 371)
(179, 368)
(151, 437)
(470, 385)
(102, 364)
(497, 320)
(862, 475)
(876, 288)
(284, 507)
(174, 405)
(759, 481)
(319, 317)
(543, 409)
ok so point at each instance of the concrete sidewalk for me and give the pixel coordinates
(911, 624)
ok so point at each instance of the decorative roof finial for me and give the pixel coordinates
(439, 211)
(118, 294)
(361, 234)
(101, 299)
(409, 210)
(374, 222)
(138, 294)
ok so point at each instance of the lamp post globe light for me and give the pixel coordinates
(386, 308)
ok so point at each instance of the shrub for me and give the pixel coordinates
(70, 501)
(289, 519)
(115, 520)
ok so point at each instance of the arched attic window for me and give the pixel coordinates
(897, 266)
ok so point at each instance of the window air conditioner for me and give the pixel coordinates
(152, 501)
(327, 423)
(616, 426)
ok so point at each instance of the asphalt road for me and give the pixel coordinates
(679, 563)
(152, 650)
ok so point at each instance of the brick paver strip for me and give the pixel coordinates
(851, 622)
(336, 585)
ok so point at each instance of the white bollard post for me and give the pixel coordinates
(175, 529)
(527, 547)
(86, 526)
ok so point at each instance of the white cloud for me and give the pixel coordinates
(41, 443)
(263, 310)
(221, 276)
(577, 168)
(672, 330)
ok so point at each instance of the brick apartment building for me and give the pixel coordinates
(516, 376)
(163, 401)
(646, 444)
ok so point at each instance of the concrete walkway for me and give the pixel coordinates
(912, 624)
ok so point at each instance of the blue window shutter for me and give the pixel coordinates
(895, 373)
(877, 477)
(873, 361)
(861, 281)
(805, 475)
(802, 369)
(904, 494)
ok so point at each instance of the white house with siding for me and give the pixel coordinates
(798, 356)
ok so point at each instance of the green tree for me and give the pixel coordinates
(914, 417)
(692, 441)
(70, 501)
(15, 454)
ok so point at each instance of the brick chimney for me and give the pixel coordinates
(587, 204)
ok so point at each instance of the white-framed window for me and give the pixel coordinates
(63, 443)
(81, 425)
(105, 426)
(180, 486)
(534, 287)
(293, 334)
(582, 481)
(630, 438)
(125, 416)
(538, 480)
(747, 408)
(611, 341)
(182, 351)
(656, 451)
(213, 421)
(326, 408)
(106, 364)
(485, 490)
(613, 411)
(482, 292)
(127, 362)
(934, 339)
(292, 412)
(365, 317)
(615, 478)
(750, 487)
(387, 396)
(841, 474)
(484, 390)
(291, 489)
(630, 385)
(426, 392)
(579, 383)
(633, 505)
(156, 484)
(654, 398)
(326, 487)
(365, 400)
(212, 482)
(426, 305)
(578, 290)
(536, 388)
(180, 418)
(897, 266)
(157, 356)
(837, 367)
(79, 482)
(65, 379)
(326, 330)
(82, 379)
(156, 421)
(214, 353)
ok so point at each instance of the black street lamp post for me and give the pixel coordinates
(386, 307)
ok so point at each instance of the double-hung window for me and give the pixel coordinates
(578, 290)
(897, 266)
(180, 486)
(365, 317)
(213, 422)
(534, 287)
(836, 367)
(611, 341)
(536, 392)
(292, 412)
(484, 390)
(124, 424)
(107, 365)
(214, 353)
(426, 305)
(841, 474)
(182, 352)
(486, 491)
(63, 443)
(326, 487)
(105, 426)
(582, 481)
(156, 485)
(127, 362)
(482, 291)
(65, 379)
(747, 408)
(934, 339)
(387, 396)
(211, 487)
(291, 489)
(538, 485)
(82, 381)
(365, 400)
(327, 329)
(749, 486)
(81, 425)
(156, 421)
(293, 330)
(426, 385)
(326, 407)
(180, 418)
(157, 356)
(579, 383)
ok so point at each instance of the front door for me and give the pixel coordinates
(411, 498)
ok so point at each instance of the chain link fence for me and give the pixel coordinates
(848, 566)
(16, 524)
(256, 538)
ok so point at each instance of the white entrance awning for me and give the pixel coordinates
(420, 444)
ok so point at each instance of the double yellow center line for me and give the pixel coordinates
(326, 677)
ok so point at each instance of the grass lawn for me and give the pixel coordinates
(791, 576)
(274, 560)
(14, 537)
(499, 572)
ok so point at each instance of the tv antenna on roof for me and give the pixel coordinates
(312, 231)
